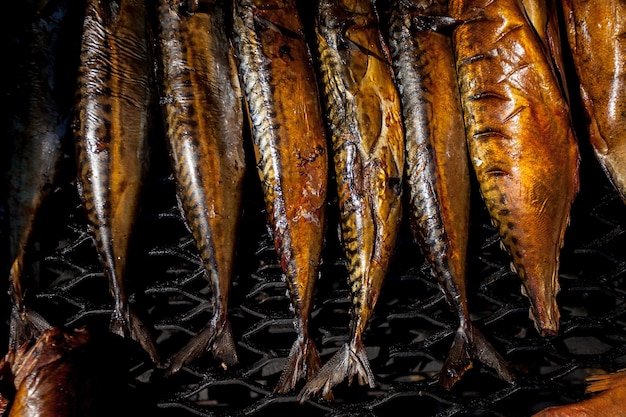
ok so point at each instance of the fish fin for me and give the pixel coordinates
(25, 326)
(345, 364)
(469, 343)
(599, 383)
(439, 24)
(303, 363)
(216, 338)
(134, 328)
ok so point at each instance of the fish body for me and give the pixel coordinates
(204, 127)
(521, 143)
(61, 373)
(596, 34)
(37, 133)
(608, 398)
(437, 167)
(289, 141)
(364, 119)
(113, 97)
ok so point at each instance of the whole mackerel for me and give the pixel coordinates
(364, 118)
(287, 126)
(38, 127)
(596, 35)
(437, 167)
(113, 98)
(203, 110)
(521, 142)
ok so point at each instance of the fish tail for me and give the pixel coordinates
(131, 326)
(217, 337)
(303, 363)
(347, 363)
(469, 344)
(25, 325)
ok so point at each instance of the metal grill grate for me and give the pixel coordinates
(409, 335)
(407, 340)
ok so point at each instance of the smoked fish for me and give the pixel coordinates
(437, 167)
(113, 102)
(364, 118)
(289, 140)
(63, 373)
(203, 113)
(596, 33)
(521, 142)
(38, 129)
(608, 398)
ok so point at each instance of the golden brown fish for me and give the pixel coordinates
(204, 125)
(287, 125)
(521, 142)
(64, 373)
(596, 32)
(608, 399)
(113, 97)
(38, 129)
(363, 114)
(437, 167)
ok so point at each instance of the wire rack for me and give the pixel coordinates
(408, 337)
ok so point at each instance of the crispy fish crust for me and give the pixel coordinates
(596, 32)
(521, 142)
(280, 90)
(113, 99)
(363, 114)
(204, 127)
(437, 167)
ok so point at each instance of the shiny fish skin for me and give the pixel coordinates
(113, 99)
(37, 134)
(521, 143)
(363, 114)
(287, 126)
(596, 33)
(204, 127)
(437, 167)
(64, 373)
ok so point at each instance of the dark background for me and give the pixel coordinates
(409, 335)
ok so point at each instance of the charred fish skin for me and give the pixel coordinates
(597, 39)
(204, 125)
(363, 115)
(287, 127)
(113, 96)
(437, 167)
(37, 133)
(519, 134)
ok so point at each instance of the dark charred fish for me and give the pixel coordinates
(280, 90)
(521, 142)
(364, 117)
(437, 167)
(113, 99)
(596, 33)
(37, 134)
(204, 126)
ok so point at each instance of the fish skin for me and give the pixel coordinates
(609, 397)
(520, 135)
(596, 34)
(363, 115)
(37, 134)
(204, 123)
(289, 141)
(63, 373)
(112, 117)
(437, 168)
